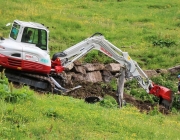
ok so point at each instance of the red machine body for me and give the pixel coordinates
(161, 92)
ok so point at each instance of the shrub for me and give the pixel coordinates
(17, 95)
(163, 43)
(9, 94)
(113, 84)
(154, 111)
(143, 95)
(97, 57)
(51, 113)
(176, 102)
(108, 102)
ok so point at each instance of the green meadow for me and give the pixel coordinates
(26, 115)
(148, 30)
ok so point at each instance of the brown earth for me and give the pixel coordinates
(98, 90)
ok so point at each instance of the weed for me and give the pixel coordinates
(94, 56)
(164, 43)
(176, 102)
(154, 111)
(108, 102)
(9, 94)
(113, 84)
(51, 113)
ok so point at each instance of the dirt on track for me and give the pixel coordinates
(98, 90)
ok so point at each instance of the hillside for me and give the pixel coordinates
(147, 30)
(28, 115)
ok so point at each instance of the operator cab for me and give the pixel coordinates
(30, 33)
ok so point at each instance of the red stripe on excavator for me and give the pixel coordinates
(23, 65)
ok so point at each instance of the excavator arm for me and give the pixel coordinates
(129, 67)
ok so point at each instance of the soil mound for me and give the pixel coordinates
(99, 90)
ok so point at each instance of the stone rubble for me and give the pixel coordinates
(96, 72)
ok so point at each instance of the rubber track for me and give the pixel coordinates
(42, 78)
(13, 75)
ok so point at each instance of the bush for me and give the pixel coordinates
(155, 111)
(9, 94)
(143, 95)
(164, 43)
(17, 95)
(51, 113)
(176, 102)
(108, 102)
(97, 57)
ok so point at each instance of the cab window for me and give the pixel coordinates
(35, 36)
(14, 31)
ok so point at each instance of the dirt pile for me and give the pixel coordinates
(99, 90)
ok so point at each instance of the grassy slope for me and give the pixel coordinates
(127, 23)
(73, 119)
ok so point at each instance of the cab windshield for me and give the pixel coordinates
(35, 36)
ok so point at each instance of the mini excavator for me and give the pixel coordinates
(26, 60)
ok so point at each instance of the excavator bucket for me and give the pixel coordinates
(164, 94)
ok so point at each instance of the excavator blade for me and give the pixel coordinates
(64, 91)
(165, 95)
(74, 88)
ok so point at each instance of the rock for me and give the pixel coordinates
(94, 76)
(174, 70)
(107, 76)
(94, 67)
(80, 69)
(69, 67)
(151, 73)
(77, 63)
(78, 77)
(113, 67)
(69, 78)
(96, 72)
(162, 71)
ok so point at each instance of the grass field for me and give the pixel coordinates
(57, 117)
(148, 30)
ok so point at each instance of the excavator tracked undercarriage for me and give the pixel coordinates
(43, 83)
